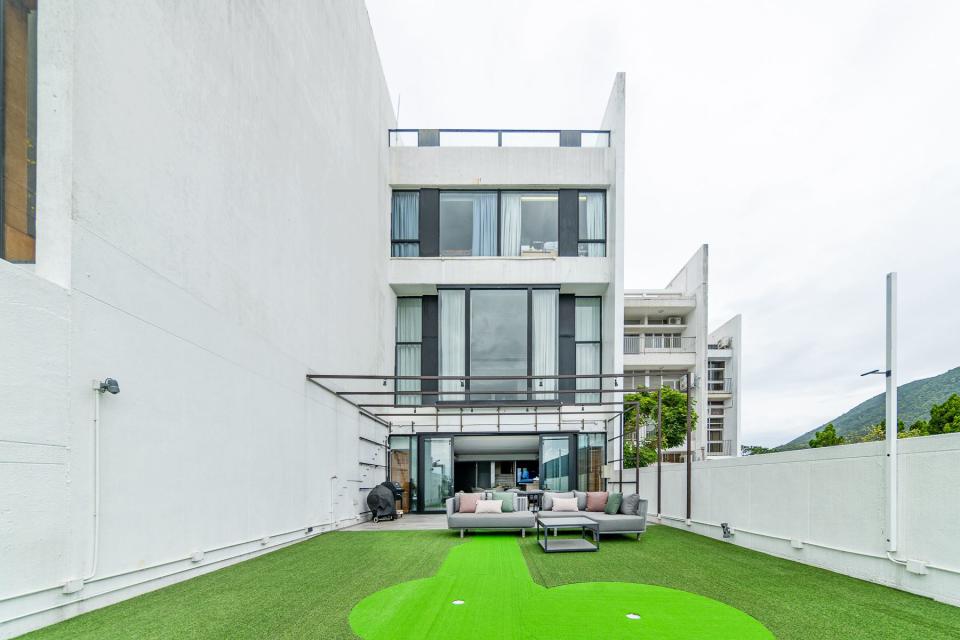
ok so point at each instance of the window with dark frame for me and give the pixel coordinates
(588, 338)
(592, 224)
(490, 331)
(409, 345)
(503, 223)
(405, 224)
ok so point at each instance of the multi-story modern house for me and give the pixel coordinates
(506, 261)
(665, 337)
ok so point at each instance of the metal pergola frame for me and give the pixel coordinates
(383, 413)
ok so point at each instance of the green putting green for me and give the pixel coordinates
(483, 590)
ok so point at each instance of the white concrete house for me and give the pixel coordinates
(506, 259)
(666, 337)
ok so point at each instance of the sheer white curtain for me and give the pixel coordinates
(409, 337)
(592, 223)
(510, 224)
(544, 346)
(587, 335)
(484, 225)
(452, 346)
(405, 218)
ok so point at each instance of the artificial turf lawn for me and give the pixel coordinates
(484, 590)
(308, 590)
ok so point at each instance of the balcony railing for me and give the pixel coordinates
(637, 344)
(719, 448)
(719, 386)
(499, 138)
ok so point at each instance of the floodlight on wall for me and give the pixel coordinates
(110, 385)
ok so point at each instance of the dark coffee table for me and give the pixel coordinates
(573, 522)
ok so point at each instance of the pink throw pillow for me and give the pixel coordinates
(468, 502)
(596, 500)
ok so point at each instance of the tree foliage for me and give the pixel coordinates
(673, 430)
(827, 437)
(944, 418)
(753, 450)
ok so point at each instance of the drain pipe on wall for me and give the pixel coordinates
(99, 388)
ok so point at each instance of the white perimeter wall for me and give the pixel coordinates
(213, 223)
(832, 500)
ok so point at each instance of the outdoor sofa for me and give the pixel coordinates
(631, 517)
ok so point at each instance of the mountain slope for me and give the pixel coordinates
(914, 400)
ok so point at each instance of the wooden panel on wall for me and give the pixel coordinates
(18, 245)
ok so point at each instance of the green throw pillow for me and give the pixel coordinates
(613, 503)
(507, 499)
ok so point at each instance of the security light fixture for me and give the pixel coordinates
(876, 372)
(110, 385)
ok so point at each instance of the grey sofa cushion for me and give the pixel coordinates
(618, 523)
(630, 504)
(581, 500)
(514, 520)
(546, 501)
(559, 514)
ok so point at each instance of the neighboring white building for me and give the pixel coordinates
(666, 337)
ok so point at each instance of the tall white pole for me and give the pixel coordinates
(891, 416)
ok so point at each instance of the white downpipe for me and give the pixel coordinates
(96, 481)
(891, 413)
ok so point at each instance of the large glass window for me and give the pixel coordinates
(403, 469)
(452, 342)
(437, 472)
(592, 224)
(405, 224)
(498, 342)
(587, 337)
(409, 340)
(468, 223)
(528, 223)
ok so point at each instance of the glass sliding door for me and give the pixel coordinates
(498, 343)
(403, 469)
(437, 483)
(555, 463)
(590, 458)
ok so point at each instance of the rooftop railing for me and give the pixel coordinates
(499, 138)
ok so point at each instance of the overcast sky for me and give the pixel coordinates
(814, 146)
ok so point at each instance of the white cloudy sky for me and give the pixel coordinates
(813, 145)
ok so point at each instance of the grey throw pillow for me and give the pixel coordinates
(546, 502)
(581, 500)
(630, 504)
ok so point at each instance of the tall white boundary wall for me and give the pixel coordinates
(827, 508)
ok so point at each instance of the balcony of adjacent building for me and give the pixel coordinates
(660, 349)
(459, 157)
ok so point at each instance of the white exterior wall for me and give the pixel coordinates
(832, 501)
(208, 234)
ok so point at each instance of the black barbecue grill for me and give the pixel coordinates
(382, 500)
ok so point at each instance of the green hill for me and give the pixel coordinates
(914, 400)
